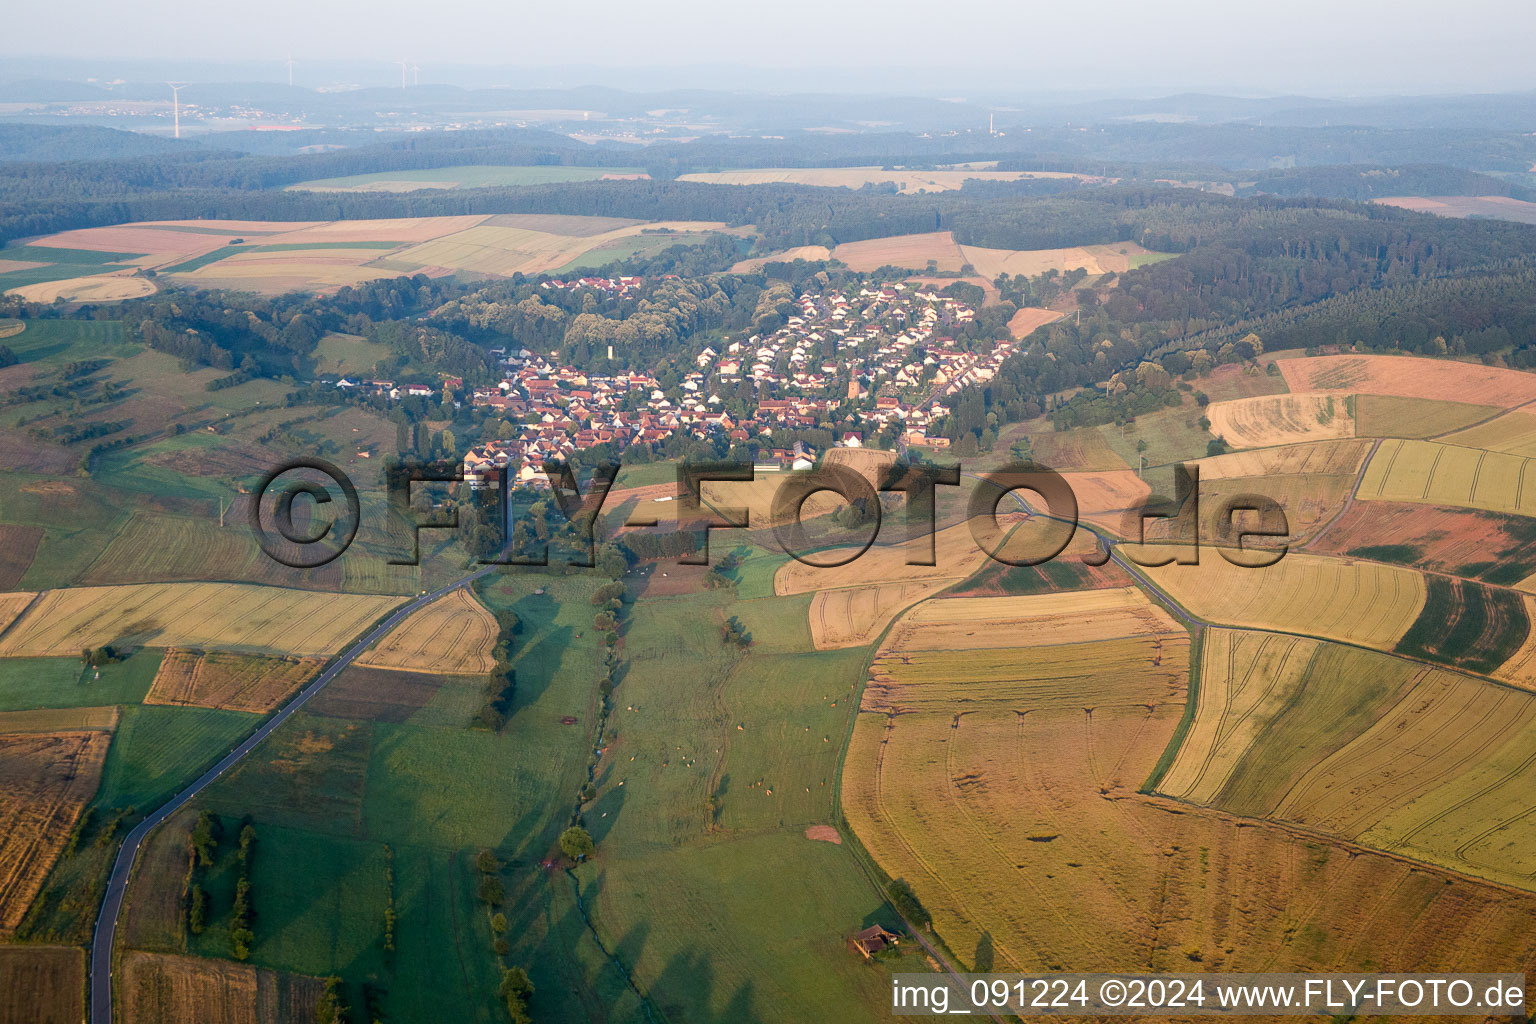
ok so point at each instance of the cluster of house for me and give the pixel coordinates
(889, 341)
(893, 342)
(620, 286)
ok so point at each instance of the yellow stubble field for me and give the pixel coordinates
(227, 616)
(453, 635)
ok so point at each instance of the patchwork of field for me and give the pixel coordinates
(504, 249)
(453, 635)
(1268, 420)
(46, 779)
(95, 264)
(1392, 416)
(96, 288)
(968, 623)
(1410, 377)
(1356, 602)
(466, 176)
(1498, 207)
(1308, 503)
(1322, 458)
(1445, 474)
(1410, 759)
(1067, 571)
(1514, 433)
(956, 556)
(42, 984)
(229, 616)
(1017, 822)
(1477, 545)
(233, 682)
(854, 616)
(164, 988)
(907, 182)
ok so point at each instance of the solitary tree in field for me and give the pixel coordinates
(576, 843)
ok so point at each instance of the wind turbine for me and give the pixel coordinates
(176, 101)
(415, 75)
(403, 65)
(290, 69)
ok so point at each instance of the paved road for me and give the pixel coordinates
(122, 868)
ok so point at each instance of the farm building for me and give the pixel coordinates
(872, 940)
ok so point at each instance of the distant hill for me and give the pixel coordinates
(45, 143)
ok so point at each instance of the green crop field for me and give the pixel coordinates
(64, 683)
(1466, 625)
(157, 749)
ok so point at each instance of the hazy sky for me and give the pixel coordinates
(1310, 46)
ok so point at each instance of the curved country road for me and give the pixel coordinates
(111, 907)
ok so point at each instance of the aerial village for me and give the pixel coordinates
(878, 362)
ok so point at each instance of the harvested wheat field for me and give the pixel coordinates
(1104, 498)
(42, 984)
(95, 288)
(1319, 458)
(231, 682)
(809, 253)
(1410, 377)
(46, 779)
(1410, 759)
(1499, 207)
(912, 251)
(1028, 828)
(158, 988)
(453, 635)
(1150, 668)
(869, 463)
(1269, 420)
(1513, 433)
(1117, 257)
(1334, 598)
(854, 616)
(1391, 416)
(955, 553)
(12, 605)
(1445, 474)
(1074, 617)
(228, 616)
(1029, 319)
